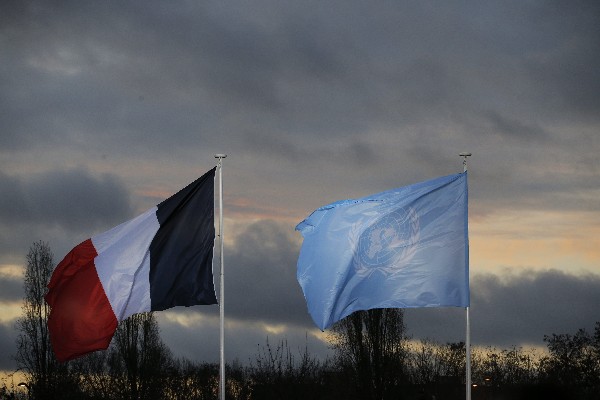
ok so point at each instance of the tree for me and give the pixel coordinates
(94, 379)
(34, 353)
(137, 365)
(573, 361)
(371, 347)
(140, 357)
(278, 375)
(190, 380)
(425, 363)
(453, 357)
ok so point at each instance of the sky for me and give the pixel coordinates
(107, 108)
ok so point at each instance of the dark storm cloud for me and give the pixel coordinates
(200, 341)
(73, 199)
(564, 66)
(7, 347)
(261, 276)
(201, 73)
(517, 309)
(11, 288)
(507, 127)
(180, 69)
(525, 306)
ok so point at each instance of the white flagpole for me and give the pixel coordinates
(220, 157)
(468, 335)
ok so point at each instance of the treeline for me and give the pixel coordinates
(138, 366)
(372, 359)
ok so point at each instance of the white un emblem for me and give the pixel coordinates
(388, 243)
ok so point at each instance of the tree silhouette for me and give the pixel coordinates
(48, 379)
(573, 361)
(140, 357)
(371, 347)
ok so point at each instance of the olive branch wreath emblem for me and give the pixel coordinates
(385, 245)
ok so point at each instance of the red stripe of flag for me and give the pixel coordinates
(82, 319)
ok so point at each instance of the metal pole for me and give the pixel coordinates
(220, 157)
(468, 334)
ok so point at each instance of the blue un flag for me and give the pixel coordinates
(406, 247)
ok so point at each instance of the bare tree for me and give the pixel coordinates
(137, 365)
(372, 347)
(34, 352)
(426, 363)
(453, 357)
(94, 379)
(140, 357)
(277, 374)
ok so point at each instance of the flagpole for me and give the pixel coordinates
(464, 155)
(220, 157)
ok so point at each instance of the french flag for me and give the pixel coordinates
(158, 260)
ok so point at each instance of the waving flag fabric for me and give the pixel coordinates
(402, 248)
(158, 260)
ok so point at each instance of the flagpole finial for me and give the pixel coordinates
(464, 155)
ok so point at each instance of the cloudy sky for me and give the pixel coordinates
(107, 108)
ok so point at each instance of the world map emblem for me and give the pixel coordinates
(388, 243)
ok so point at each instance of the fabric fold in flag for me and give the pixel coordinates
(158, 260)
(403, 248)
